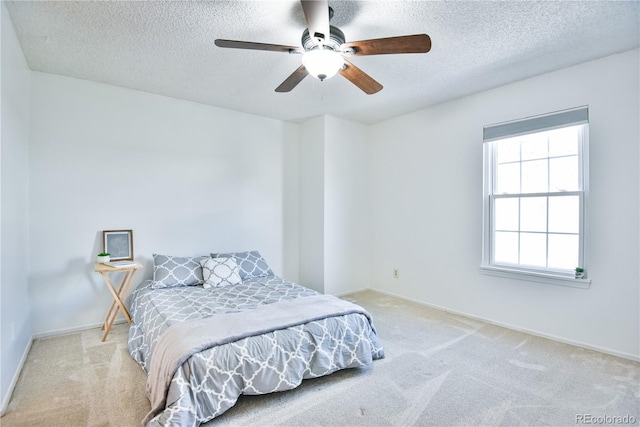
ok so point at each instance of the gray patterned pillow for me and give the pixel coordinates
(171, 271)
(251, 263)
(221, 271)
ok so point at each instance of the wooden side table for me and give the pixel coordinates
(117, 304)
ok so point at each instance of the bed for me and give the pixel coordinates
(207, 329)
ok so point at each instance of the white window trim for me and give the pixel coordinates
(539, 277)
(531, 274)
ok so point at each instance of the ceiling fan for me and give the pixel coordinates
(324, 49)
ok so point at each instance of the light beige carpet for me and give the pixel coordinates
(440, 369)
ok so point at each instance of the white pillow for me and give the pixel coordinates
(221, 271)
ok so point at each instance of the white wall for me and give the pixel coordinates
(346, 207)
(14, 156)
(311, 199)
(334, 205)
(291, 203)
(187, 178)
(426, 184)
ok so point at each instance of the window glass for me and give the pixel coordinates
(533, 216)
(508, 150)
(535, 176)
(508, 178)
(506, 214)
(564, 214)
(533, 249)
(563, 173)
(506, 247)
(563, 142)
(534, 146)
(563, 251)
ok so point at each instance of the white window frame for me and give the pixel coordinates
(536, 124)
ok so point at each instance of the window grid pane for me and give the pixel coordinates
(507, 214)
(535, 176)
(533, 214)
(563, 212)
(563, 251)
(533, 249)
(507, 244)
(563, 174)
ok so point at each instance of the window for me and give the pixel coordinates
(535, 194)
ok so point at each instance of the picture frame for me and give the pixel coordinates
(118, 244)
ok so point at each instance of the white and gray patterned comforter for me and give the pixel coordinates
(210, 381)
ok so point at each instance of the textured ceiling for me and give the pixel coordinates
(167, 48)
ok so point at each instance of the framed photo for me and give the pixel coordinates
(118, 244)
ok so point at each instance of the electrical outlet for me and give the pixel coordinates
(396, 273)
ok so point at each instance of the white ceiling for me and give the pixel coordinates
(166, 47)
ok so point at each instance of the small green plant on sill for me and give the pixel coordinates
(579, 270)
(103, 254)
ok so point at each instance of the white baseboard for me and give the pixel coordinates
(14, 380)
(616, 353)
(342, 294)
(72, 330)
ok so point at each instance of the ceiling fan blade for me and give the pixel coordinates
(316, 13)
(359, 78)
(293, 80)
(417, 43)
(235, 44)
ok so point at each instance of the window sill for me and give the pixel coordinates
(550, 279)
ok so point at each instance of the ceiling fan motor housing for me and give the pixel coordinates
(336, 39)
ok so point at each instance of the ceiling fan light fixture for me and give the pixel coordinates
(322, 63)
